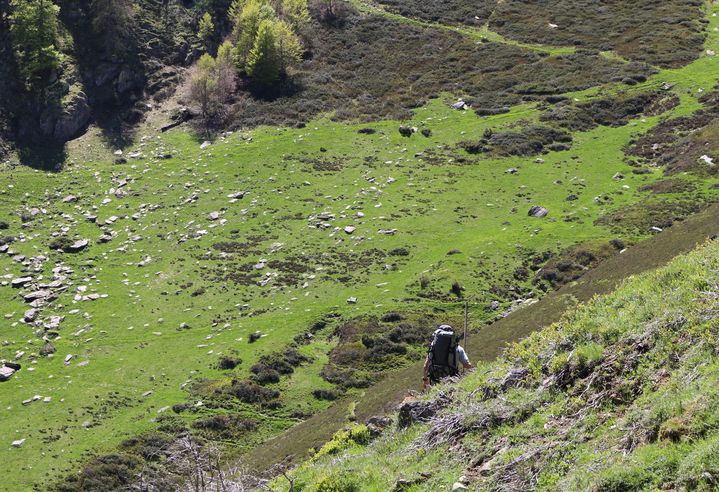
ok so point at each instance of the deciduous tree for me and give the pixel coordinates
(226, 72)
(203, 82)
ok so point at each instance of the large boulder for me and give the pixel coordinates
(538, 212)
(7, 369)
(77, 246)
(417, 411)
(377, 424)
(20, 282)
(74, 118)
(126, 81)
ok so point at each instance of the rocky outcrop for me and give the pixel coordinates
(61, 115)
(73, 120)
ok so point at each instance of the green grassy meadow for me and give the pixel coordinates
(179, 289)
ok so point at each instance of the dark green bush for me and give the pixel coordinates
(267, 376)
(324, 394)
(226, 363)
(61, 243)
(391, 317)
(250, 392)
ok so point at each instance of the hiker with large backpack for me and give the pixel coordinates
(444, 356)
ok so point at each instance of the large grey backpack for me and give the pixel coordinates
(443, 355)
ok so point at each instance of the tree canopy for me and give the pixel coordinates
(34, 30)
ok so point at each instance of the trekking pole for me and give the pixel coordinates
(466, 321)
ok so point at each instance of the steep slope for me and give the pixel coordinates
(618, 395)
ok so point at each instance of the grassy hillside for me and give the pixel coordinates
(618, 395)
(233, 290)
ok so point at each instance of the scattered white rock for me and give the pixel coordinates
(538, 212)
(20, 282)
(6, 372)
(30, 315)
(460, 105)
(78, 245)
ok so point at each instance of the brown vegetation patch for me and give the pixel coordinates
(652, 212)
(611, 112)
(367, 346)
(570, 264)
(669, 186)
(470, 12)
(667, 34)
(369, 67)
(679, 144)
(528, 141)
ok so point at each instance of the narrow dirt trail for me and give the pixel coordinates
(489, 342)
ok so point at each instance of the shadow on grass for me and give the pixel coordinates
(114, 131)
(46, 156)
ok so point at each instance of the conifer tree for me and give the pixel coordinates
(111, 21)
(206, 29)
(296, 13)
(246, 25)
(263, 62)
(289, 49)
(34, 29)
